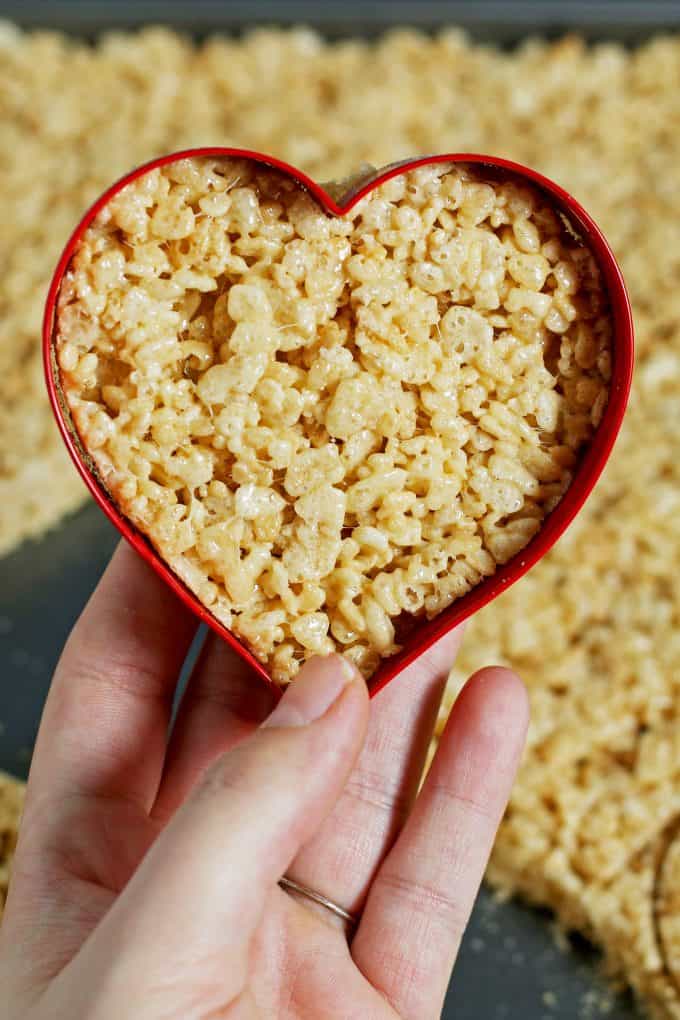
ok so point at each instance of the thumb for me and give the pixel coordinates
(199, 894)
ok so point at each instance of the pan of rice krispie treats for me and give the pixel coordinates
(592, 833)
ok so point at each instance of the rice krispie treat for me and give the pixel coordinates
(11, 803)
(325, 422)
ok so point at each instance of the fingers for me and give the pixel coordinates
(96, 766)
(422, 897)
(202, 887)
(224, 703)
(341, 859)
(104, 727)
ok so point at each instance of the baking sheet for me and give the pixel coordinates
(503, 21)
(510, 966)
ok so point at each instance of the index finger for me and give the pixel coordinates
(104, 726)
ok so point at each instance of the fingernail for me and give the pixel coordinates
(317, 686)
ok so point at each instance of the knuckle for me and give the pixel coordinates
(379, 792)
(113, 673)
(427, 900)
(470, 808)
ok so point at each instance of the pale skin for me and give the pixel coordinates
(145, 880)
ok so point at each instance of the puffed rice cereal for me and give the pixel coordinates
(323, 423)
(11, 805)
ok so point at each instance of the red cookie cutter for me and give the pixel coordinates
(422, 633)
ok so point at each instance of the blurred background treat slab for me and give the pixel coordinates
(594, 630)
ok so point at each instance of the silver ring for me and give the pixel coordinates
(289, 885)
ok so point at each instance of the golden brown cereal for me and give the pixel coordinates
(324, 421)
(11, 804)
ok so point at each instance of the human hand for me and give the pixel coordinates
(145, 879)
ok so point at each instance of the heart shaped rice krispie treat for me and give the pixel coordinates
(326, 422)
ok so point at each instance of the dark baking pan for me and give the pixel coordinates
(495, 20)
(510, 967)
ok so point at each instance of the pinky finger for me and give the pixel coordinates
(422, 897)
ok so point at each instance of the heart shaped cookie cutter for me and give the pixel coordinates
(421, 634)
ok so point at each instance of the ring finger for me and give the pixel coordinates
(344, 855)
